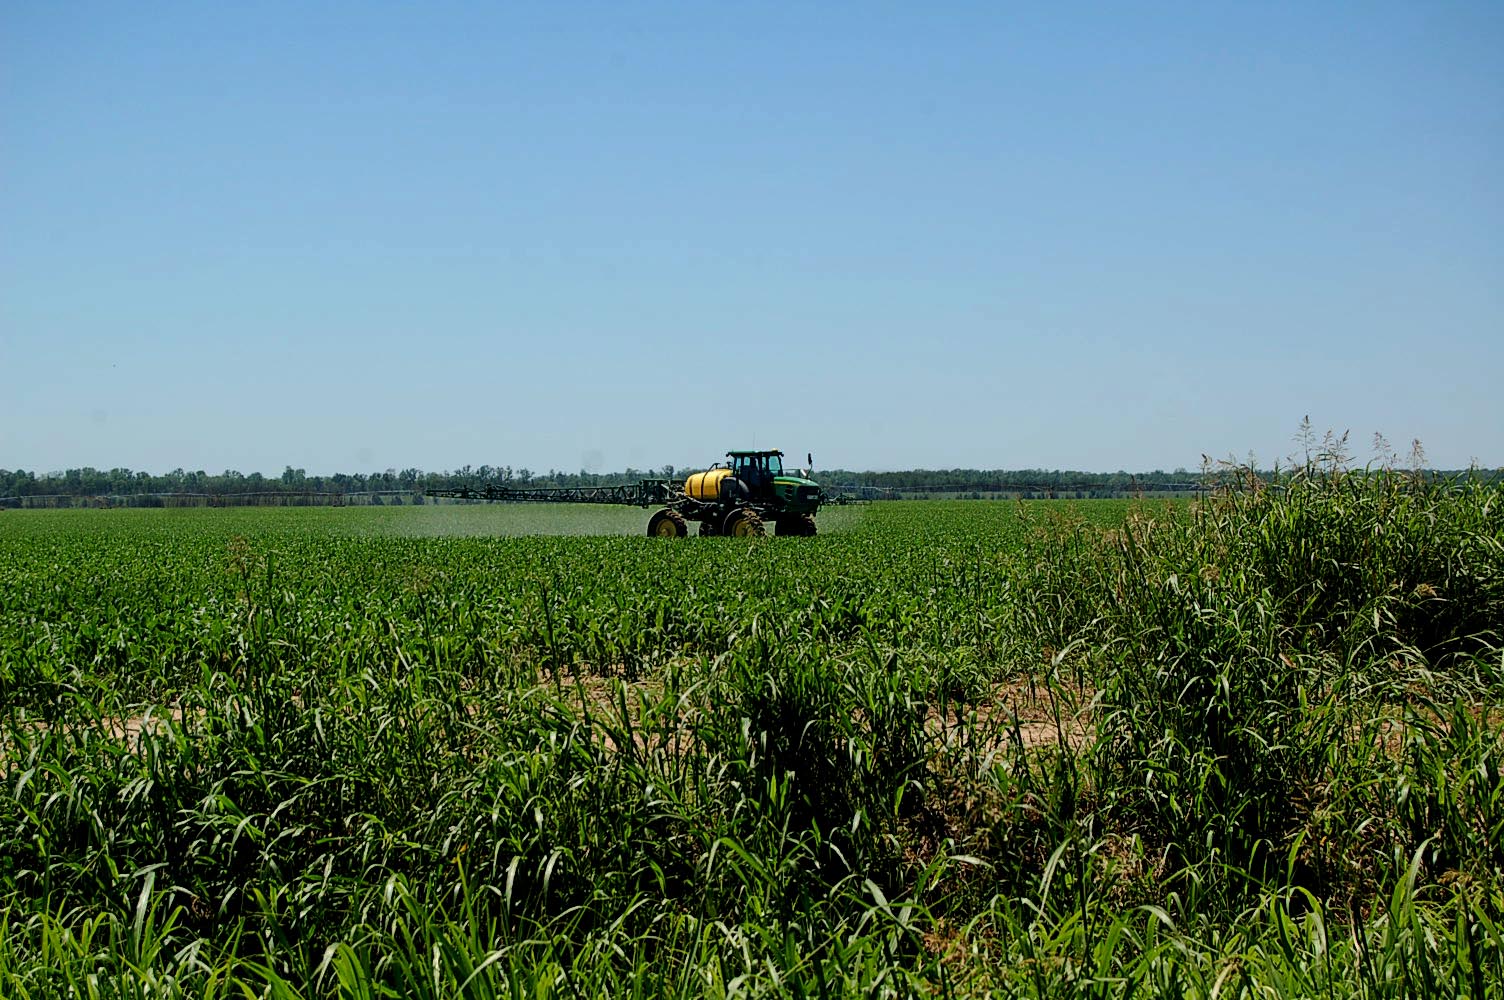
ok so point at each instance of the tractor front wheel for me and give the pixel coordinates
(668, 524)
(796, 524)
(744, 524)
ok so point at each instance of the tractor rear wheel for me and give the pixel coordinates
(743, 524)
(668, 524)
(802, 525)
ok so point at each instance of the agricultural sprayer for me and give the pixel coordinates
(738, 497)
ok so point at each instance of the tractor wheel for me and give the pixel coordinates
(744, 523)
(707, 528)
(668, 524)
(799, 525)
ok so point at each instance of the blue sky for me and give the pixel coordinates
(350, 237)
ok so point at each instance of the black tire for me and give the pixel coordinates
(667, 524)
(797, 525)
(743, 523)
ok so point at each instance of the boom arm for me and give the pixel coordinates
(644, 494)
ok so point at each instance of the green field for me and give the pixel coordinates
(1250, 747)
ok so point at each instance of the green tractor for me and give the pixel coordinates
(741, 496)
(738, 498)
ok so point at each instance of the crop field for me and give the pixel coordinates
(1246, 747)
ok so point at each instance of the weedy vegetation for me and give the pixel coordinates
(1245, 747)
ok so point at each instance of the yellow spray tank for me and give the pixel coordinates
(706, 486)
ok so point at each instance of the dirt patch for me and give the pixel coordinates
(1022, 711)
(124, 728)
(1014, 712)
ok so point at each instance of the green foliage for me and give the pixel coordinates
(1097, 749)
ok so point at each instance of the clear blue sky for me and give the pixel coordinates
(356, 236)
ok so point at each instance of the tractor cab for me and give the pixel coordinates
(757, 469)
(766, 482)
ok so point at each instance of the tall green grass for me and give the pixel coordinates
(1249, 747)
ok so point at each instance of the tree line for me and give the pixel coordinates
(124, 482)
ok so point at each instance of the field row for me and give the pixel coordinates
(130, 606)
